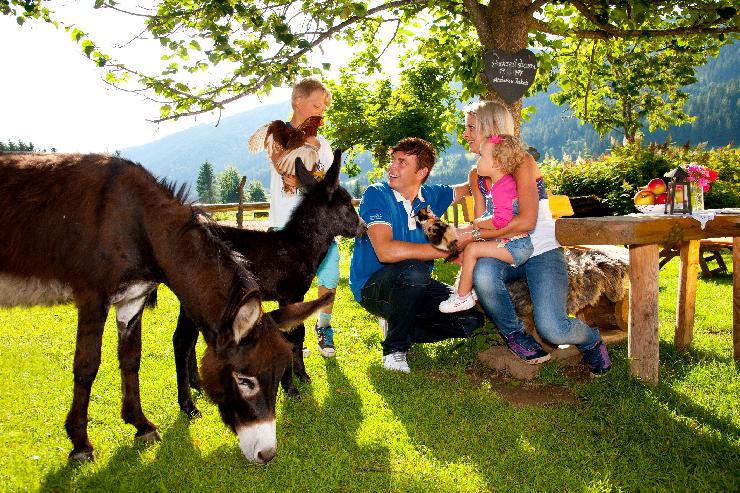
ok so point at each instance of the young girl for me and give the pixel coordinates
(501, 155)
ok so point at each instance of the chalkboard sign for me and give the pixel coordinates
(510, 74)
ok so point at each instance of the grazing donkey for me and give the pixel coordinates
(102, 231)
(284, 263)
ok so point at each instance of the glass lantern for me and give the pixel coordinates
(678, 193)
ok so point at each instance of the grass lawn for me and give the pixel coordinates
(445, 427)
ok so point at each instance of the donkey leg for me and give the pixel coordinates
(193, 373)
(299, 367)
(128, 320)
(90, 322)
(183, 341)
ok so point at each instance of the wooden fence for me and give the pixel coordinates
(265, 206)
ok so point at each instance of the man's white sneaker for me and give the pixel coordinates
(455, 304)
(383, 326)
(396, 362)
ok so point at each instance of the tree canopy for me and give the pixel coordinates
(602, 53)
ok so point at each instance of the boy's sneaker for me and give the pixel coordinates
(396, 362)
(455, 303)
(597, 359)
(306, 352)
(325, 336)
(383, 326)
(526, 347)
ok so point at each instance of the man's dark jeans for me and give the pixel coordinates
(408, 298)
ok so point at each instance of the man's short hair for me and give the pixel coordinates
(423, 150)
(305, 87)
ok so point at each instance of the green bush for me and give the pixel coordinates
(616, 176)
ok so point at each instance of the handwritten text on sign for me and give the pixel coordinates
(510, 74)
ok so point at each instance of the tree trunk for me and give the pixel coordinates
(503, 24)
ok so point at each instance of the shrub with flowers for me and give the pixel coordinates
(701, 175)
(615, 176)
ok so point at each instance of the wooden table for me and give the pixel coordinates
(643, 234)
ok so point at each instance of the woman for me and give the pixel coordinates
(545, 271)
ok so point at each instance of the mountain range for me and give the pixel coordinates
(714, 101)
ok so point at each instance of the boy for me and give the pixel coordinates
(309, 100)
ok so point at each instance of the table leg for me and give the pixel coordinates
(736, 296)
(686, 303)
(643, 349)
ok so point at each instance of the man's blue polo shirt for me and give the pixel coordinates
(381, 205)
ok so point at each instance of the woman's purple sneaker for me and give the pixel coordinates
(526, 347)
(597, 359)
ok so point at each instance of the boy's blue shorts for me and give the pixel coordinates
(328, 273)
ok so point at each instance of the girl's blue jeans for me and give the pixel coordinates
(547, 277)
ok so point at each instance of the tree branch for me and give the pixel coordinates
(542, 26)
(288, 59)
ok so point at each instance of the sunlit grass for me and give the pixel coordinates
(359, 428)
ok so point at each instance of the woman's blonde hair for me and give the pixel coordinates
(491, 118)
(507, 152)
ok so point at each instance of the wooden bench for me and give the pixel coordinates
(710, 250)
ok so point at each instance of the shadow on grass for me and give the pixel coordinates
(317, 451)
(630, 435)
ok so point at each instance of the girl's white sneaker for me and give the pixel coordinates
(455, 304)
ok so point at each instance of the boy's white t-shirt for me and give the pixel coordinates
(281, 203)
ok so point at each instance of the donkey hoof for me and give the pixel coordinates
(303, 377)
(148, 437)
(193, 413)
(81, 457)
(293, 392)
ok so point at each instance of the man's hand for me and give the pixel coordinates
(459, 259)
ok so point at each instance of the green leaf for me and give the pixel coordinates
(77, 35)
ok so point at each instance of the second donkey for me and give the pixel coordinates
(284, 262)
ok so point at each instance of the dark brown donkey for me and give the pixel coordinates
(284, 263)
(102, 231)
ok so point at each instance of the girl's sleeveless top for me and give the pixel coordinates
(543, 236)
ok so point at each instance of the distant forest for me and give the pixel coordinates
(713, 100)
(552, 131)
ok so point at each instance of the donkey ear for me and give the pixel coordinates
(304, 176)
(332, 175)
(289, 316)
(246, 318)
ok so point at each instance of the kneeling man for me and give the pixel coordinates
(390, 273)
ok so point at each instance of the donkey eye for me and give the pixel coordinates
(248, 386)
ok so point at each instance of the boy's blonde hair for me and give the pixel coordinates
(305, 87)
(508, 154)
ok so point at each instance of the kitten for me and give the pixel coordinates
(440, 234)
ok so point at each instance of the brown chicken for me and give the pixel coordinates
(284, 143)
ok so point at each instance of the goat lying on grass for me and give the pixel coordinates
(284, 263)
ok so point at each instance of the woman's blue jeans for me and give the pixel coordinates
(547, 277)
(408, 298)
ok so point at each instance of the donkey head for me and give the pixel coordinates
(328, 202)
(243, 380)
